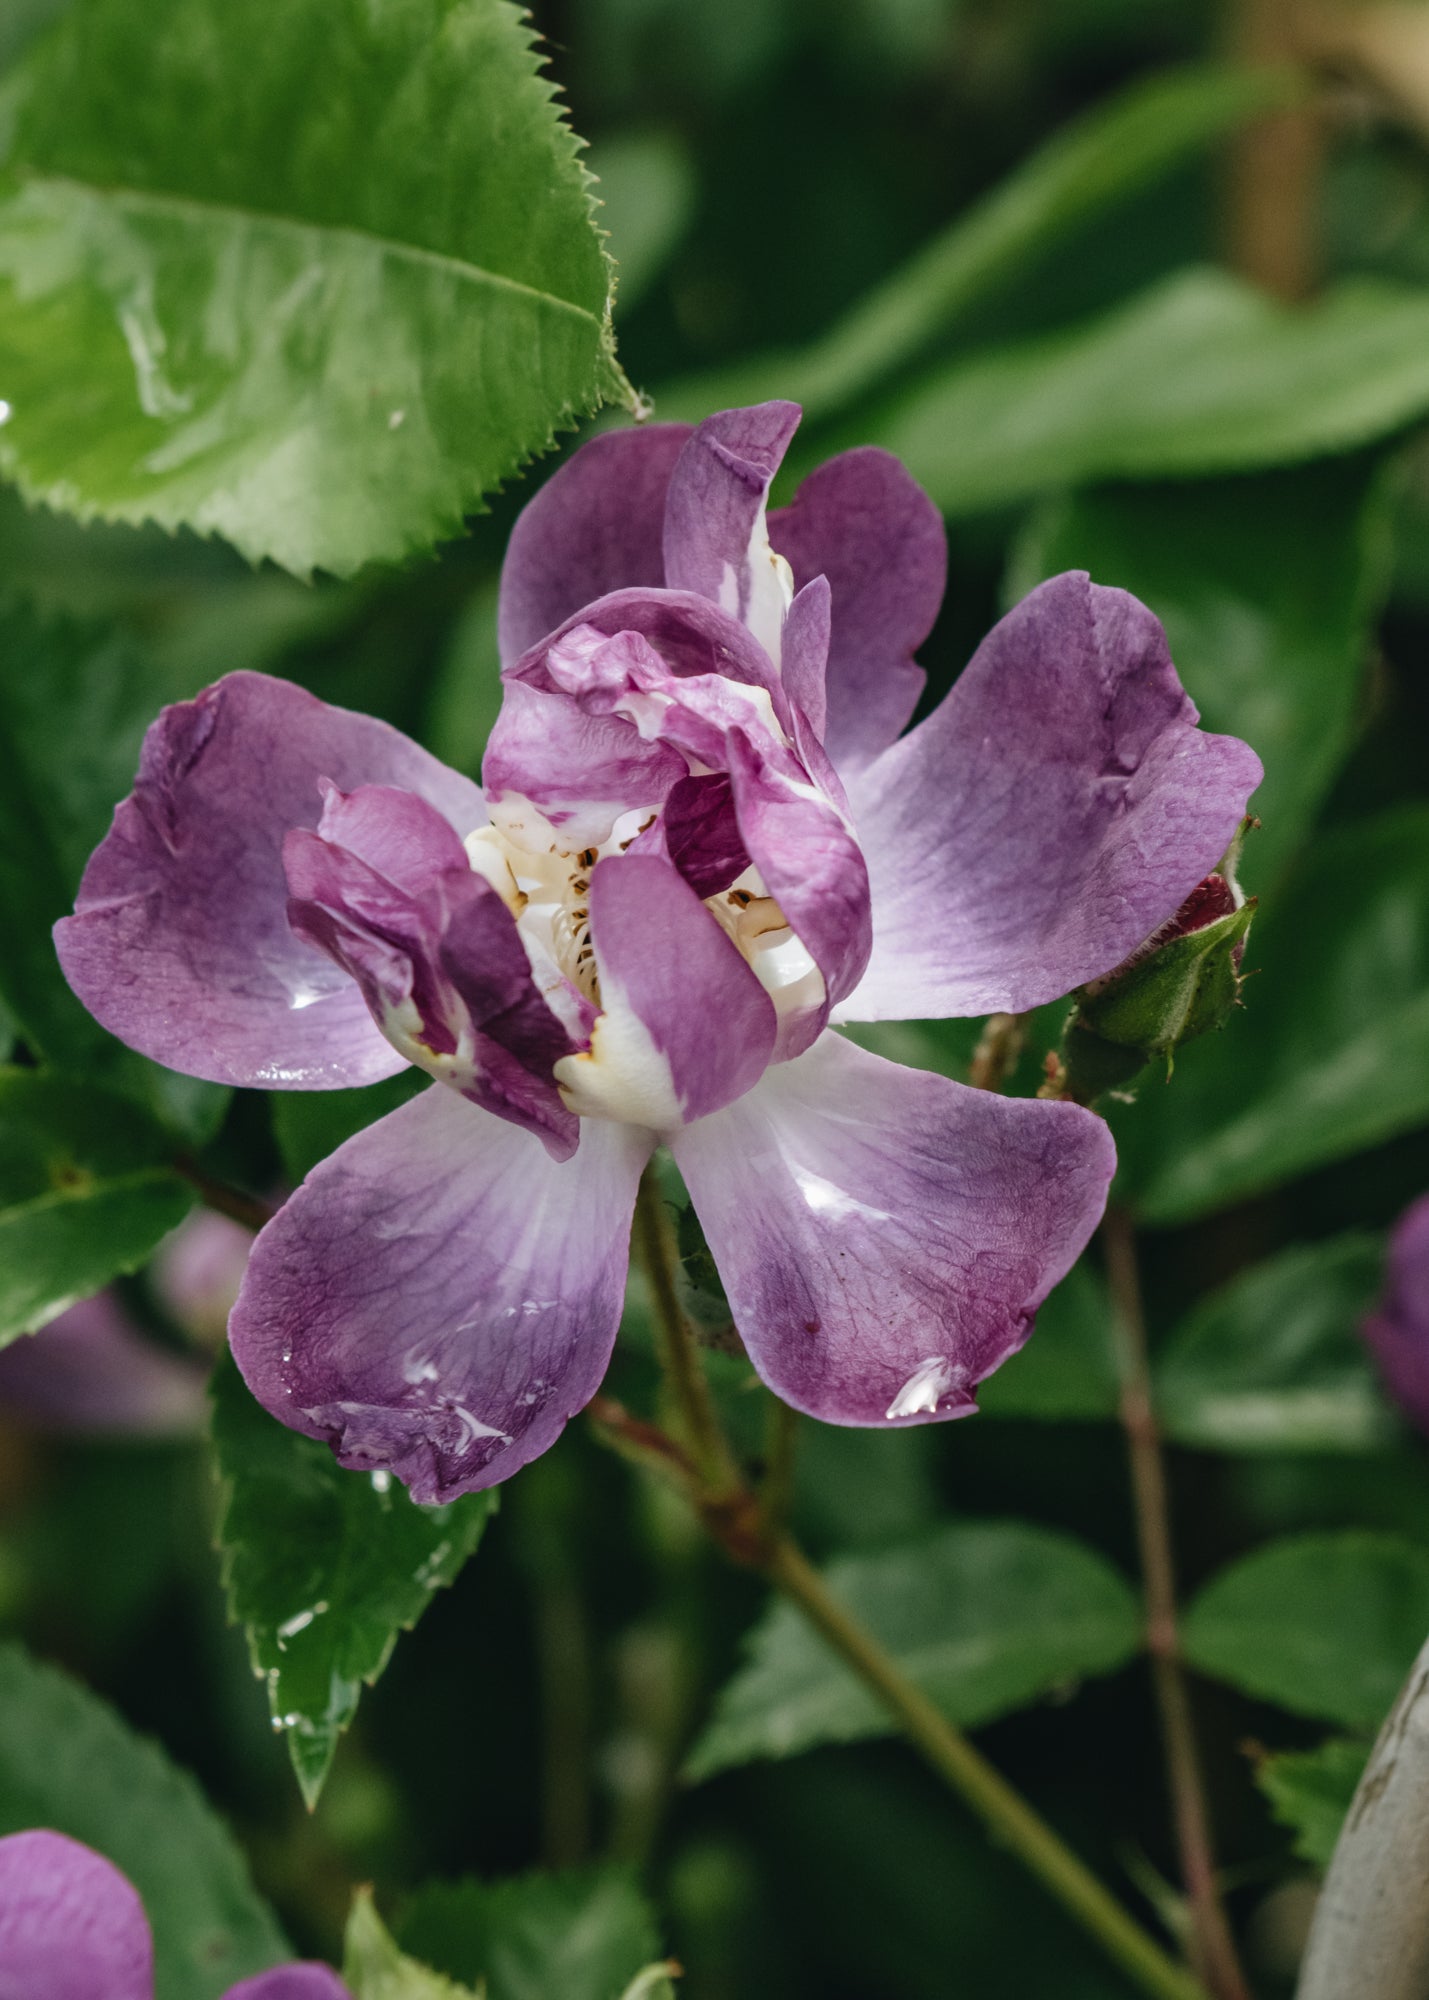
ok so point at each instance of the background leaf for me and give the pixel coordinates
(323, 1567)
(1332, 1052)
(1201, 374)
(1068, 1367)
(68, 1762)
(1274, 1362)
(85, 1193)
(1325, 1625)
(1310, 1792)
(1266, 588)
(583, 1933)
(325, 351)
(984, 1616)
(310, 1124)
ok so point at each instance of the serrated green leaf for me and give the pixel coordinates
(1101, 159)
(582, 1934)
(310, 1124)
(313, 278)
(323, 1568)
(984, 1616)
(1202, 374)
(1310, 1791)
(85, 1194)
(1332, 1051)
(75, 700)
(68, 1762)
(1266, 588)
(1068, 1367)
(376, 1970)
(1325, 1625)
(1273, 1361)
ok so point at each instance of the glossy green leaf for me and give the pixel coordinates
(75, 700)
(1273, 1361)
(582, 1934)
(1103, 158)
(1325, 1625)
(375, 1969)
(310, 1124)
(1201, 374)
(67, 1761)
(1332, 1051)
(1068, 1367)
(85, 1193)
(323, 1567)
(984, 1616)
(312, 278)
(1266, 588)
(1310, 1791)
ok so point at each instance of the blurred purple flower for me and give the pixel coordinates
(72, 1927)
(702, 841)
(93, 1372)
(1398, 1330)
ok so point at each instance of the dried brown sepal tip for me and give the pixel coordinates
(1184, 980)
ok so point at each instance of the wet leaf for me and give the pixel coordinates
(323, 1568)
(85, 1194)
(324, 351)
(1274, 1362)
(1325, 1625)
(582, 1933)
(984, 1616)
(68, 1762)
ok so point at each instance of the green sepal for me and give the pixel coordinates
(1183, 989)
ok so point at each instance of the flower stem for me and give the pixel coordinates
(1212, 1947)
(746, 1528)
(998, 1047)
(225, 1200)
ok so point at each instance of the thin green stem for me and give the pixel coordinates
(776, 1490)
(1212, 1946)
(741, 1523)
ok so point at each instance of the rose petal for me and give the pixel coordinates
(71, 1926)
(440, 1296)
(180, 942)
(596, 526)
(885, 1236)
(309, 1981)
(1058, 806)
(715, 539)
(1398, 1331)
(685, 1025)
(868, 526)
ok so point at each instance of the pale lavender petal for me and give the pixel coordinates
(596, 526)
(1058, 806)
(715, 539)
(686, 1026)
(885, 1236)
(71, 1926)
(580, 771)
(867, 525)
(807, 632)
(1398, 1330)
(92, 1372)
(691, 635)
(440, 1296)
(309, 1981)
(180, 942)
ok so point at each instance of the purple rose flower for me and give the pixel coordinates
(72, 1927)
(702, 841)
(1397, 1332)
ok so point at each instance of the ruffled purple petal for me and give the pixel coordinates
(868, 526)
(71, 1926)
(309, 1981)
(180, 942)
(886, 1236)
(91, 1372)
(596, 526)
(1058, 806)
(807, 631)
(715, 539)
(440, 1297)
(434, 950)
(1398, 1330)
(686, 1026)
